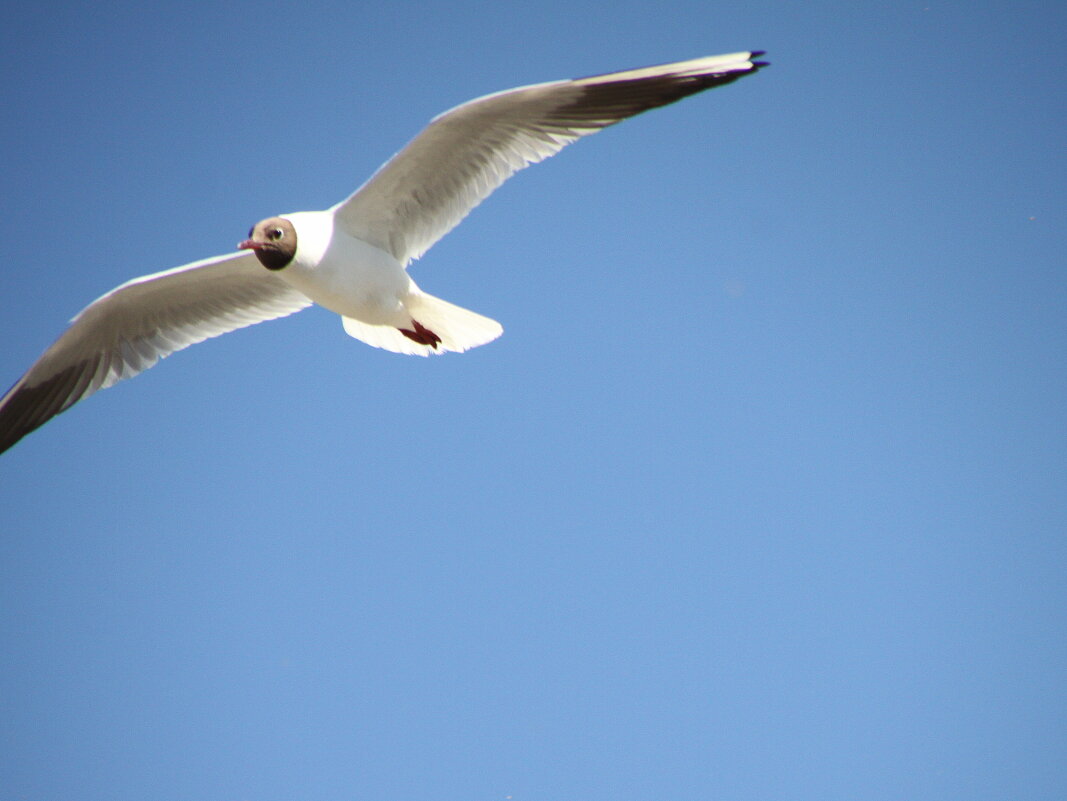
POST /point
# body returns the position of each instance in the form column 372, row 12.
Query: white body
column 346, row 275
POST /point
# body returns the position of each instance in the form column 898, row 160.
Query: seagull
column 352, row 258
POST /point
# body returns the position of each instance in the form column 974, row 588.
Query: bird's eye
column 277, row 233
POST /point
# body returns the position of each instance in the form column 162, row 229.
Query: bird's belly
column 357, row 280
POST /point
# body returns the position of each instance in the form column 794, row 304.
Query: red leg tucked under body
column 421, row 334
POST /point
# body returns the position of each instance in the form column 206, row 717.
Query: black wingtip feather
column 26, row 409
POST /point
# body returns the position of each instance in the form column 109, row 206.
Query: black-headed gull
column 352, row 258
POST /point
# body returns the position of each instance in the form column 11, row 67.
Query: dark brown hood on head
column 274, row 242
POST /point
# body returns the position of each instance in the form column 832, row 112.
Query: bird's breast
column 353, row 279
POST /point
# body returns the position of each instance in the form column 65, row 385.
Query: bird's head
column 274, row 242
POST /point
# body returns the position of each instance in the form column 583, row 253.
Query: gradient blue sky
column 760, row 496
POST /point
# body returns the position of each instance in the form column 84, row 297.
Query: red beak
column 249, row 244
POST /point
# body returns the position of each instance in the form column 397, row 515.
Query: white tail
column 457, row 329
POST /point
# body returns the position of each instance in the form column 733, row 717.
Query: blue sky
column 760, row 495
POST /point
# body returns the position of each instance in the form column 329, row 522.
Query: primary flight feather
column 352, row 258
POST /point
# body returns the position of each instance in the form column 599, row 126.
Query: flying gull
column 352, row 258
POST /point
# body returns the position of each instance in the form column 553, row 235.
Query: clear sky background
column 761, row 495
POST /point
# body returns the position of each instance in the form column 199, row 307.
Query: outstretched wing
column 464, row 154
column 132, row 327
